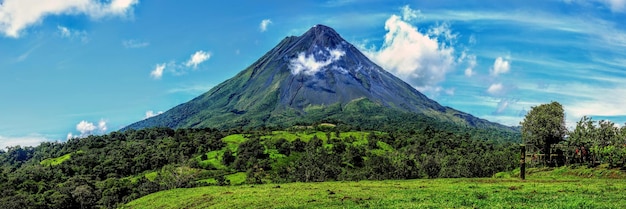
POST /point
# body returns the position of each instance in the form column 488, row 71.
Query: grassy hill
column 110, row 170
column 544, row 188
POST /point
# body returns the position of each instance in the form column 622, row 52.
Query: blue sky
column 85, row 67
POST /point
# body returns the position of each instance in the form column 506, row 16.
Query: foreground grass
column 421, row 193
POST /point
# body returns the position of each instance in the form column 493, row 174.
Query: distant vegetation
column 110, row 170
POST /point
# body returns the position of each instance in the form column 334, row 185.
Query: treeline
column 383, row 156
column 109, row 170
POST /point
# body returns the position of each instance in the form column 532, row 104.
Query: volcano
column 315, row 77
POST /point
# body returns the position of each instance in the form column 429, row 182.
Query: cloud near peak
column 417, row 58
column 309, row 65
column 17, row 15
column 151, row 113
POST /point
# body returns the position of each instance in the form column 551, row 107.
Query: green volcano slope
column 315, row 77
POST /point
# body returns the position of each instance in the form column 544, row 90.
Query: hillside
column 110, row 170
column 312, row 78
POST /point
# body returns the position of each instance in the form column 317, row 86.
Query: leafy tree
column 584, row 134
column 228, row 157
column 431, row 166
column 85, row 196
column 544, row 126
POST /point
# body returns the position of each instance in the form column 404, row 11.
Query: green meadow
column 544, row 188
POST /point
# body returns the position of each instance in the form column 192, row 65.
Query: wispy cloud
column 192, row 89
column 264, row 23
column 600, row 33
column 338, row 3
column 16, row 15
column 613, row 5
column 29, row 140
column 471, row 64
column 130, row 44
column 197, row 58
column 72, row 34
column 409, row 14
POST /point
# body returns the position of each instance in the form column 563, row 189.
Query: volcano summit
column 315, row 77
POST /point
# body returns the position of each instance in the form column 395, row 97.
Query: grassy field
column 544, row 188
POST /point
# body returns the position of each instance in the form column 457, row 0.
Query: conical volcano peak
column 322, row 35
column 305, row 78
column 322, row 30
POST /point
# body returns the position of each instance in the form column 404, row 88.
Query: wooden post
column 522, row 162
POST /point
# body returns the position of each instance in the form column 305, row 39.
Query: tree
column 584, row 134
column 544, row 126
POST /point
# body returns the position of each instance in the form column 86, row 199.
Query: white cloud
column 443, row 30
column 414, row 57
column 29, row 140
column 87, row 128
column 179, row 68
column 17, row 15
column 72, row 34
column 495, row 88
column 409, row 14
column 264, row 23
column 500, row 66
column 309, row 65
column 197, row 58
column 151, row 113
column 102, row 125
column 134, row 44
column 157, row 73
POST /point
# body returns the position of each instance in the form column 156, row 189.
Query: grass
column 235, row 179
column 58, row 160
column 536, row 192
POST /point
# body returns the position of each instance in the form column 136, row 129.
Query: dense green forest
column 109, row 170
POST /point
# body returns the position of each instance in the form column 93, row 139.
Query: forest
column 109, row 170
